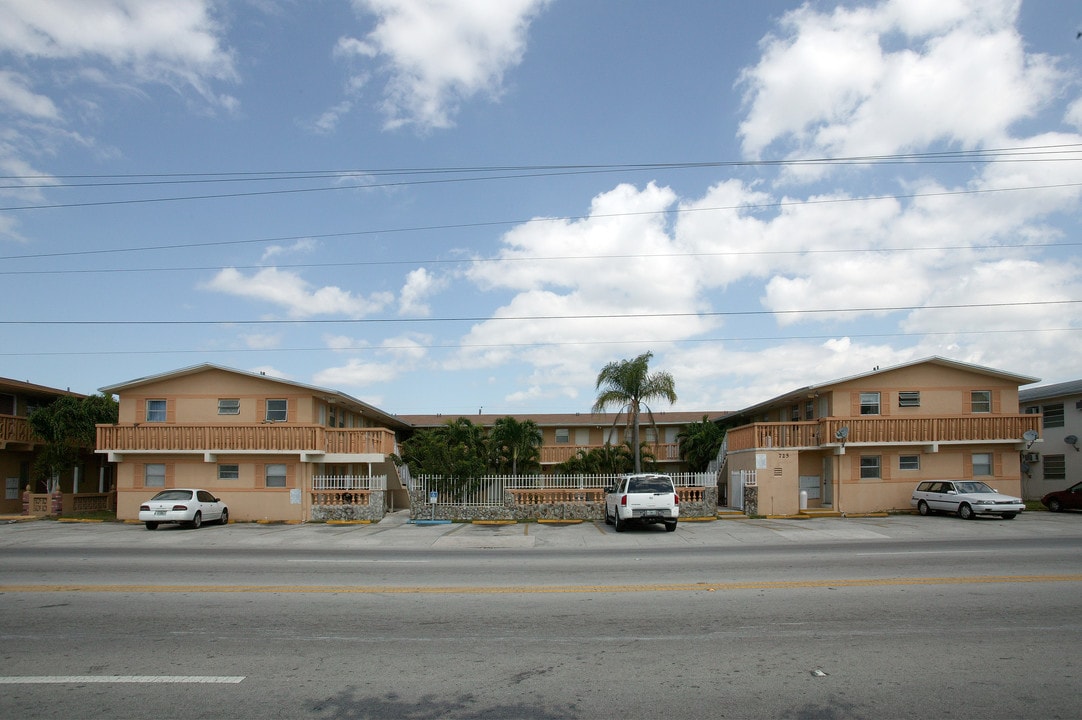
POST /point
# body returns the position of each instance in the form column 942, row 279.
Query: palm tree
column 699, row 443
column 515, row 442
column 629, row 385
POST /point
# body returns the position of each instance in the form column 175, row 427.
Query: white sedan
column 184, row 506
column 968, row 498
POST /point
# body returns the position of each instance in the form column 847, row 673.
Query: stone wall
column 373, row 511
column 421, row 509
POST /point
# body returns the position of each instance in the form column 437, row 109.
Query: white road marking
column 83, row 679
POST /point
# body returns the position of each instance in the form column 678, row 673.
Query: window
column 276, row 410
column 276, row 476
column 7, row 405
column 155, row 411
column 1055, row 467
column 11, row 489
column 563, row 436
column 981, row 401
column 982, row 464
column 809, row 410
column 795, row 414
column 870, row 467
column 229, row 472
column 869, row 403
column 909, row 462
column 154, row 475
column 1053, row 415
column 228, row 406
column 909, row 398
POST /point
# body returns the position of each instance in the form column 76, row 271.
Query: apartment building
column 1055, row 463
column 861, row 444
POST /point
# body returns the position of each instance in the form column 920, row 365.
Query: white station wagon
column 968, row 498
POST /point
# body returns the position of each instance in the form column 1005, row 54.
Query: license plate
column 159, row 512
column 650, row 513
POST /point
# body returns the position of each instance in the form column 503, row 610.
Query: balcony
column 884, row 431
column 261, row 438
column 16, row 431
column 555, row 454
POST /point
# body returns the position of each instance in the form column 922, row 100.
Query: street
column 902, row 616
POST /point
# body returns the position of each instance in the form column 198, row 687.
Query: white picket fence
column 349, row 482
column 489, row 490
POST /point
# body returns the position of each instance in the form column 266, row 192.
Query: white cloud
column 356, row 373
column 441, row 52
column 420, row 285
column 303, row 246
column 288, row 290
column 261, row 341
column 836, row 84
column 17, row 97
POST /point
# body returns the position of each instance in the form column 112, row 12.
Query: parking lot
column 395, row 531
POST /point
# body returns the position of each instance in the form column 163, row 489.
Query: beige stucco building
column 861, row 444
column 272, row 449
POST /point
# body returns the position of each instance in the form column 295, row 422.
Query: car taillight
column 623, row 500
column 181, row 508
column 144, row 507
column 676, row 499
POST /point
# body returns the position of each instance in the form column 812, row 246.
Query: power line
column 545, row 258
column 1015, row 154
column 536, row 318
column 579, row 343
column 568, row 218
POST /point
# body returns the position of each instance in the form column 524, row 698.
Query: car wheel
column 670, row 527
column 1008, row 516
column 965, row 512
column 1054, row 505
column 224, row 520
column 197, row 521
column 923, row 509
column 152, row 526
column 617, row 523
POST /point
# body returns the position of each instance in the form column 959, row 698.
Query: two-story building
column 272, row 449
column 861, row 444
column 564, row 435
column 1056, row 464
column 19, row 447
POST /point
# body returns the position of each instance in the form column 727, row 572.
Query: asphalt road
column 899, row 617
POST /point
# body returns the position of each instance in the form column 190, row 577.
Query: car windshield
column 173, row 495
column 653, row 484
column 973, row 487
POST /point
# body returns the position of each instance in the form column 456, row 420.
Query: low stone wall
column 694, row 502
column 373, row 511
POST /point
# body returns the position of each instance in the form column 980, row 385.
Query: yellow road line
column 531, row 589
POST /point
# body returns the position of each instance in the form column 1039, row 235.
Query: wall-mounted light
column 1072, row 440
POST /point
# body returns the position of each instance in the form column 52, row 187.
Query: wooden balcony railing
column 15, row 430
column 554, row 454
column 881, row 430
column 262, row 437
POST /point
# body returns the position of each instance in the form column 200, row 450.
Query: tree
column 515, row 445
column 699, row 444
column 629, row 385
column 67, row 425
column 456, row 452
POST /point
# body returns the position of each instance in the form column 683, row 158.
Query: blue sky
column 450, row 205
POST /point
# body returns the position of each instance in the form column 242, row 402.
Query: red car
column 1069, row 499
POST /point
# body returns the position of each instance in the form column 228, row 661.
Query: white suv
column 646, row 498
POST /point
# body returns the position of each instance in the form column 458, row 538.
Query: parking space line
column 142, row 679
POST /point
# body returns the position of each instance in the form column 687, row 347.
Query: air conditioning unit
column 1033, row 457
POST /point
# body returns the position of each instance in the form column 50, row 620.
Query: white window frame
column 229, row 471
column 160, row 410
column 563, row 436
column 225, row 406
column 909, row 462
column 276, row 414
column 154, row 475
column 982, row 464
column 878, row 467
column 866, row 402
column 975, row 403
column 271, row 471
